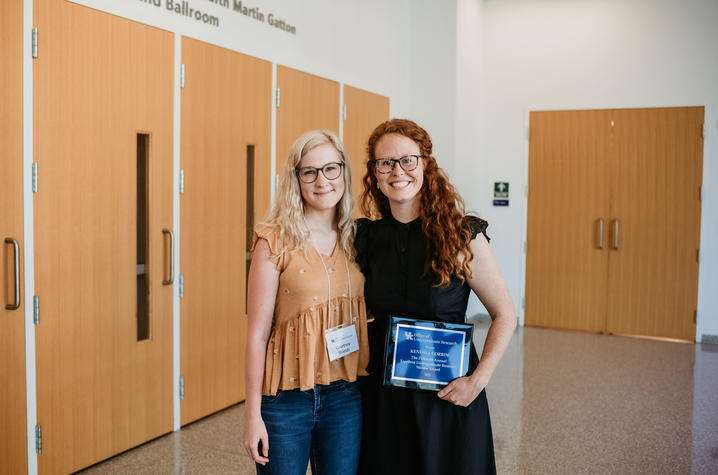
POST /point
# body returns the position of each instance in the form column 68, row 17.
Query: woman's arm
column 261, row 297
column 488, row 284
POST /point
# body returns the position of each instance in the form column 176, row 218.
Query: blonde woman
column 307, row 339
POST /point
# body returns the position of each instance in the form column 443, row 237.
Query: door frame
column 28, row 151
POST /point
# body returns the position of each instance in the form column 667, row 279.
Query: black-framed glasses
column 407, row 163
column 331, row 171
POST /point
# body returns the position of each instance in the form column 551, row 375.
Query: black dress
column 413, row 431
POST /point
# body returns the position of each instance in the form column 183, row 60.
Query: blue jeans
column 321, row 425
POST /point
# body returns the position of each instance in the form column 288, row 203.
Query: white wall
column 514, row 56
column 431, row 83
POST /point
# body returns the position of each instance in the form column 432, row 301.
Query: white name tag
column 341, row 341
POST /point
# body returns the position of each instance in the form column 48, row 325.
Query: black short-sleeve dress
column 413, row 431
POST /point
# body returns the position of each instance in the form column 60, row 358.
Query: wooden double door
column 614, row 220
column 225, row 150
column 104, row 239
column 225, row 161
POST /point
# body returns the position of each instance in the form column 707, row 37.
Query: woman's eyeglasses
column 331, row 171
column 386, row 165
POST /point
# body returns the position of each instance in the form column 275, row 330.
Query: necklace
column 329, row 281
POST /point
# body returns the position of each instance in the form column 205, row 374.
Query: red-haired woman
column 421, row 259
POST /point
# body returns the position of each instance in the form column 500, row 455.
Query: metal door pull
column 172, row 257
column 16, row 248
column 615, row 234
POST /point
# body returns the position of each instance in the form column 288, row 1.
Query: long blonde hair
column 287, row 213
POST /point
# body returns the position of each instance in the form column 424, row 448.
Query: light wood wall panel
column 569, row 193
column 657, row 172
column 307, row 102
column 226, row 106
column 364, row 111
column 13, row 452
column 99, row 81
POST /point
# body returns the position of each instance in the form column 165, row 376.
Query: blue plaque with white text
column 425, row 354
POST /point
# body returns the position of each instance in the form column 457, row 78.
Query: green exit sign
column 501, row 189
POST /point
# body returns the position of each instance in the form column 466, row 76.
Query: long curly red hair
column 442, row 210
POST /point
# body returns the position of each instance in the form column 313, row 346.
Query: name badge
column 341, row 341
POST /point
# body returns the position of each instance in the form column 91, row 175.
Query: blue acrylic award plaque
column 425, row 354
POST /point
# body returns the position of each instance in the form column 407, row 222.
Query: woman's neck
column 405, row 212
column 323, row 231
column 321, row 221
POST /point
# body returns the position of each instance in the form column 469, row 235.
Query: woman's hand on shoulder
column 254, row 433
column 462, row 391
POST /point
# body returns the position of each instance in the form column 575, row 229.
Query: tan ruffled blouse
column 296, row 351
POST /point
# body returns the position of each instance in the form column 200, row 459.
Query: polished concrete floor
column 561, row 403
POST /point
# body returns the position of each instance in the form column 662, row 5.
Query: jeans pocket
column 271, row 399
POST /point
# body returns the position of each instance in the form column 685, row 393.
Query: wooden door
column 646, row 188
column 13, row 448
column 225, row 157
column 655, row 209
column 568, row 202
column 307, row 102
column 103, row 132
column 364, row 111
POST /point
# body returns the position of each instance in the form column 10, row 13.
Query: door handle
column 615, row 234
column 172, row 257
column 600, row 233
column 16, row 248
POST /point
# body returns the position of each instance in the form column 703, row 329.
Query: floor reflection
column 570, row 402
column 561, row 403
column 705, row 410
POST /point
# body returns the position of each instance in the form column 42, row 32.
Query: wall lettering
column 187, row 9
